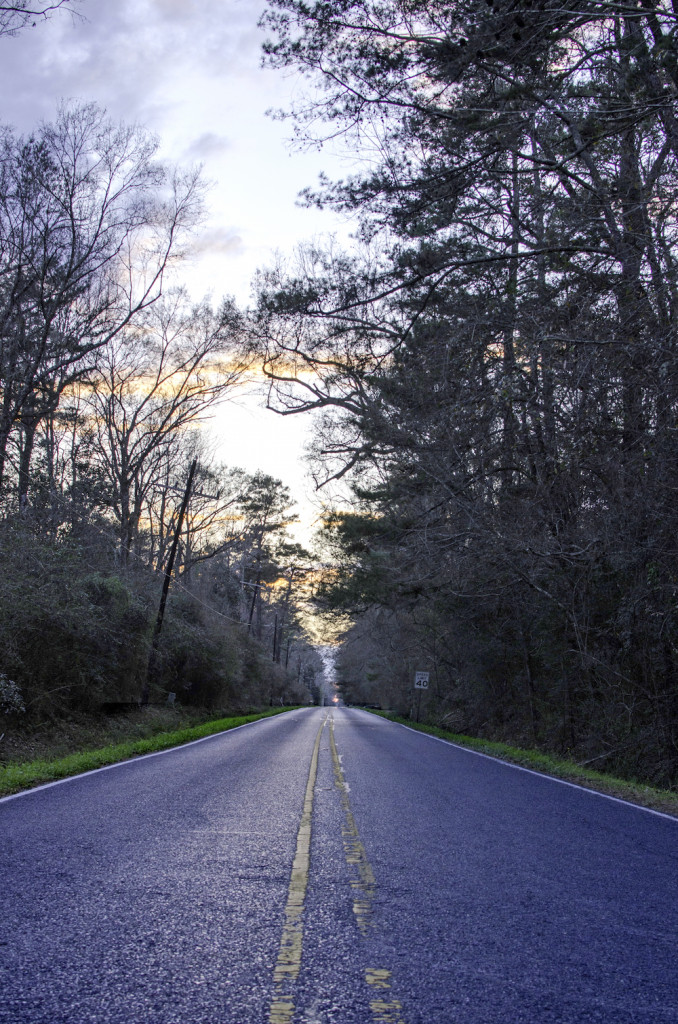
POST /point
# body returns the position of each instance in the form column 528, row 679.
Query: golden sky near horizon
column 189, row 70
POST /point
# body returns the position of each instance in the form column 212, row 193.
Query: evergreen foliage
column 495, row 365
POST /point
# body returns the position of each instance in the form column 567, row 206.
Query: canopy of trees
column 495, row 366
column 107, row 371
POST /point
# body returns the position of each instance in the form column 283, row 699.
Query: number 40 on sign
column 421, row 680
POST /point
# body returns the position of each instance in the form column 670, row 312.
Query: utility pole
column 153, row 656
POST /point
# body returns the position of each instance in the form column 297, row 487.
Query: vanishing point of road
column 328, row 867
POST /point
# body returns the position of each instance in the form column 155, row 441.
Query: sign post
column 420, row 683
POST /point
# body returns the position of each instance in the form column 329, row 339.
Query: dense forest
column 107, row 373
column 494, row 365
column 492, row 370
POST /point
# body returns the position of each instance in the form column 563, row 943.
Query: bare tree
column 89, row 225
column 19, row 15
column 152, row 382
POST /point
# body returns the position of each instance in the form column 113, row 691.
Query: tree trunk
column 29, row 422
column 153, row 657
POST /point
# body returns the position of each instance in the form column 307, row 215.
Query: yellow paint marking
column 281, row 1011
column 364, row 886
column 377, row 977
column 289, row 956
column 388, row 1013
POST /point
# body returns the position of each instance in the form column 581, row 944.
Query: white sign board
column 421, row 680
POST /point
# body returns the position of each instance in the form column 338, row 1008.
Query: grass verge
column 625, row 789
column 24, row 775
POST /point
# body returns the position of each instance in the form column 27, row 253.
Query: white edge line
column 531, row 771
column 140, row 757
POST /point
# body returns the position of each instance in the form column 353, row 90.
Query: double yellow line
column 289, row 955
column 364, row 886
column 288, row 962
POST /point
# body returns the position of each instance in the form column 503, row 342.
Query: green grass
column 25, row 775
column 625, row 789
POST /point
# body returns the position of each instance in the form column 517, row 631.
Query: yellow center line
column 289, row 955
column 364, row 888
column 382, row 1011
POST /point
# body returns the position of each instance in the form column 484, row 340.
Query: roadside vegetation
column 108, row 371
column 21, row 775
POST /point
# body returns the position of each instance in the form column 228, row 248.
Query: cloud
column 189, row 71
column 207, row 145
column 218, row 241
column 131, row 57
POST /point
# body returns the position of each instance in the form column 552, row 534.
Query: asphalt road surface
column 328, row 867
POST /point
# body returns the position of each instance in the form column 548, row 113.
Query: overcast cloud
column 131, row 55
column 189, row 70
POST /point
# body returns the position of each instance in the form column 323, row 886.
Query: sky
column 190, row 71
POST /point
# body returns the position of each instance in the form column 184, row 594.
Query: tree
column 18, row 15
column 495, row 366
column 294, row 569
column 210, row 519
column 266, row 510
column 89, row 226
column 152, row 382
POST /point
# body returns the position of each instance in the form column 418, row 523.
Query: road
column 328, row 867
